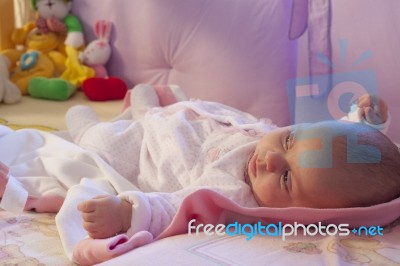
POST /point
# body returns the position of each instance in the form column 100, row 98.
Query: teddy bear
column 55, row 16
column 35, row 55
column 43, row 50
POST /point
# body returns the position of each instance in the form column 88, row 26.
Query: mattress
column 49, row 115
column 32, row 239
column 260, row 250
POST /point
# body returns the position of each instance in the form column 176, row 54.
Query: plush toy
column 96, row 55
column 43, row 50
column 44, row 57
column 9, row 92
column 35, row 55
column 54, row 17
column 98, row 52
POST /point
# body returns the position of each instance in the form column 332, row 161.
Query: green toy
column 53, row 89
column 56, row 17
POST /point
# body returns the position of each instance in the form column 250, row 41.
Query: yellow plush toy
column 45, row 49
column 36, row 55
column 55, row 16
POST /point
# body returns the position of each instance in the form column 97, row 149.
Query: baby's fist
column 105, row 216
column 373, row 109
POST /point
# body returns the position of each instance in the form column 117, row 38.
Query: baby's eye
column 288, row 139
column 285, row 180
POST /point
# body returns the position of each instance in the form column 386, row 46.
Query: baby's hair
column 372, row 182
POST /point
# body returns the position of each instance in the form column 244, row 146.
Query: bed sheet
column 299, row 250
column 49, row 115
column 32, row 239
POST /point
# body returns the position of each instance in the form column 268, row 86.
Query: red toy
column 96, row 55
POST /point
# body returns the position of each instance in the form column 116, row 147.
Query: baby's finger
column 91, row 229
column 101, row 196
column 364, row 101
column 87, row 206
column 95, row 231
column 88, row 216
column 361, row 112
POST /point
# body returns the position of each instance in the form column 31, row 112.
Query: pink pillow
column 236, row 52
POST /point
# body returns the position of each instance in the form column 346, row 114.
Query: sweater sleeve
column 153, row 212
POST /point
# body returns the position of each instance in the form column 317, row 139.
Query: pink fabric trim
column 92, row 251
column 209, row 207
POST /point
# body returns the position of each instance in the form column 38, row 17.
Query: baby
column 324, row 165
column 175, row 150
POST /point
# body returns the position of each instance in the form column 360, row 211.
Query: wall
column 366, row 25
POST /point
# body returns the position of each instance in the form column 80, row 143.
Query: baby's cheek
column 262, row 194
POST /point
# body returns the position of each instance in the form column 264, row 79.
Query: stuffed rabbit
column 98, row 52
column 96, row 55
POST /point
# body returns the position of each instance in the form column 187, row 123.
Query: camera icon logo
column 328, row 97
column 331, row 97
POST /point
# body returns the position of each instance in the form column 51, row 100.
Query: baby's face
column 293, row 166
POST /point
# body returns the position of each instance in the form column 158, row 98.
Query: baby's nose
column 274, row 161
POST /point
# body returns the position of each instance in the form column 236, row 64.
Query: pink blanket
column 209, row 207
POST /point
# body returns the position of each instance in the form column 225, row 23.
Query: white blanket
column 47, row 166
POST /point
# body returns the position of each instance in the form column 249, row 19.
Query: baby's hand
column 105, row 216
column 372, row 109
